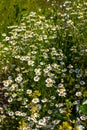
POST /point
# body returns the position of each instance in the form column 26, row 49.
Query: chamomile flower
column 18, row 79
column 36, row 78
column 63, row 94
column 82, row 82
column 49, row 80
column 35, row 100
column 46, row 71
column 79, row 127
column 29, row 91
column 44, row 100
column 10, row 99
column 6, row 83
column 42, row 122
column 37, row 71
column 10, row 113
column 13, row 87
column 60, row 85
column 83, row 117
column 78, row 94
column 49, row 85
column 18, row 113
column 31, row 63
column 55, row 122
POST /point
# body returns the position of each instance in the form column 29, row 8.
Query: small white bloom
column 60, row 85
column 31, row 63
column 14, row 95
column 53, row 97
column 50, row 111
column 79, row 127
column 83, row 117
column 6, row 83
column 4, row 34
column 46, row 71
column 49, row 80
column 23, row 114
column 18, row 113
column 78, row 94
column 61, row 90
column 44, row 100
column 7, row 38
column 63, row 94
column 10, row 113
column 6, row 94
column 29, row 91
column 35, row 100
column 36, row 78
column 13, row 87
column 18, row 79
column 37, row 71
column 42, row 122
column 55, row 122
column 49, row 85
column 10, row 100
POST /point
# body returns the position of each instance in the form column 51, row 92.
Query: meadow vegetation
column 43, row 70
column 12, row 11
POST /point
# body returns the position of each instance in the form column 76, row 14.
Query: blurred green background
column 11, row 11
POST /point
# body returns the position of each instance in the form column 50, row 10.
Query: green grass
column 44, row 70
column 11, row 12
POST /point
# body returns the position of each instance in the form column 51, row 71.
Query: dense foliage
column 44, row 70
column 12, row 11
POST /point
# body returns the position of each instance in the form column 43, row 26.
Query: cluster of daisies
column 43, row 70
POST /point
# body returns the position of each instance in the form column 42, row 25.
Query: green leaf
column 60, row 116
column 83, row 108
